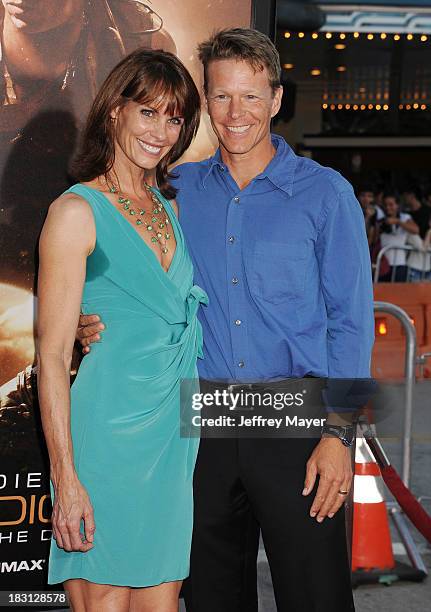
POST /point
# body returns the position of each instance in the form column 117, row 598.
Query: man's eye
column 147, row 112
column 251, row 97
column 221, row 97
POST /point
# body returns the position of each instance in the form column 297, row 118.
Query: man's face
column 366, row 198
column 40, row 15
column 241, row 104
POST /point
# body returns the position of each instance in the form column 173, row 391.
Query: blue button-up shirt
column 286, row 266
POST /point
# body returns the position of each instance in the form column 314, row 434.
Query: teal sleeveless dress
column 125, row 408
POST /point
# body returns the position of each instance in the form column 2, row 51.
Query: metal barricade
column 410, row 379
column 406, row 248
column 410, row 362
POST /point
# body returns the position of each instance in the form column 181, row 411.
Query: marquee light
column 287, row 35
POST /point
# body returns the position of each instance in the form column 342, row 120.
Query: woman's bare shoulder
column 70, row 217
column 72, row 206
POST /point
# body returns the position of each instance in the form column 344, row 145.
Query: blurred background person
column 365, row 195
column 419, row 260
column 394, row 229
column 419, row 213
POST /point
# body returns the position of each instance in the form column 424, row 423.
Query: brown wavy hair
column 145, row 76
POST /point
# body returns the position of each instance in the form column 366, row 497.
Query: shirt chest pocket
column 278, row 271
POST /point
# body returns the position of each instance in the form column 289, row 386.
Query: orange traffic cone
column 371, row 546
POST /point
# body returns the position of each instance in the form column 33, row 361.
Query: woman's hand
column 71, row 504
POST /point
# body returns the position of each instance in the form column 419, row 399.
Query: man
column 372, row 213
column 420, row 214
column 278, row 243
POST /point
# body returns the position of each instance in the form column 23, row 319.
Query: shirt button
column 221, row 168
column 235, row 280
column 231, row 239
column 238, row 322
column 236, row 199
column 241, row 364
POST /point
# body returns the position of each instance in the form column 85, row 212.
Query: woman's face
column 391, row 207
column 145, row 133
column 41, row 15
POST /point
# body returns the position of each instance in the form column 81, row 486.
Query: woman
column 394, row 229
column 112, row 244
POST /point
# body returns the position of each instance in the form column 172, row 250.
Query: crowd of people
column 401, row 222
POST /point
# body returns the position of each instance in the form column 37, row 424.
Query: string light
column 424, row 38
column 328, row 35
column 287, row 35
column 378, row 107
column 288, row 66
column 363, row 107
column 355, row 34
column 423, row 106
column 315, row 35
column 301, row 34
column 383, row 35
column 324, row 106
column 340, row 106
column 385, row 107
column 315, row 72
column 397, row 37
column 342, row 36
column 416, row 106
column 409, row 36
column 370, row 107
column 401, row 106
column 339, row 46
column 355, row 107
column 408, row 107
column 332, row 107
column 370, row 36
column 347, row 107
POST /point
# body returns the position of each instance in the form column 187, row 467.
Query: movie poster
column 53, row 57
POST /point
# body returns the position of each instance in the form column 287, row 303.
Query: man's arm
column 345, row 274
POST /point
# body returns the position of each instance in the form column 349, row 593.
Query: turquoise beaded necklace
column 158, row 225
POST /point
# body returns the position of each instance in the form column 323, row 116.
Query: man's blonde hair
column 242, row 44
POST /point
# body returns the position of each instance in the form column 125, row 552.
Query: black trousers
column 239, row 486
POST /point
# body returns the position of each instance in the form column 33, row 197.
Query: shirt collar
column 280, row 170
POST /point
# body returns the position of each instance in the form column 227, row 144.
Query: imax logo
column 21, row 566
